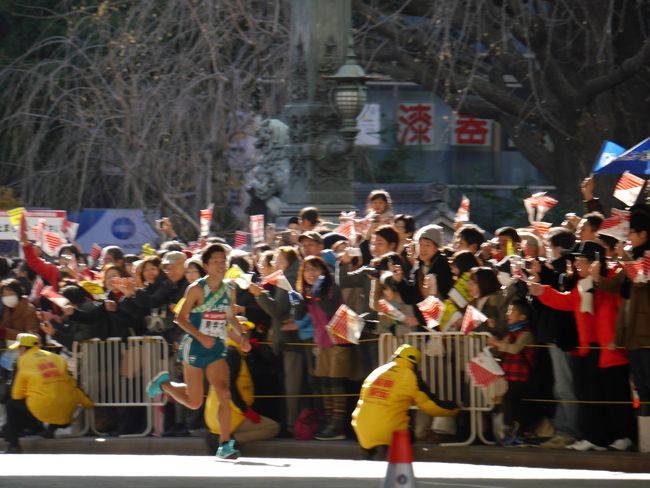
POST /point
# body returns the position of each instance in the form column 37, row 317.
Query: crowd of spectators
column 564, row 292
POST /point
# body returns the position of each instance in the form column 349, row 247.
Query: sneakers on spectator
column 227, row 450
column 330, row 433
column 621, row 445
column 155, row 385
column 585, row 445
column 558, row 441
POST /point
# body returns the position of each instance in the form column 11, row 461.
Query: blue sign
column 123, row 228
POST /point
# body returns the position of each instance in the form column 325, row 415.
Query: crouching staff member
column 246, row 424
column 42, row 390
column 386, row 396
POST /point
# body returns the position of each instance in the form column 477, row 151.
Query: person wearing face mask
column 18, row 315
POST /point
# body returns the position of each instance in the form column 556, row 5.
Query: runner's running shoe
column 155, row 385
column 227, row 450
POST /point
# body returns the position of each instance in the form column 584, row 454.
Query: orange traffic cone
column 400, row 459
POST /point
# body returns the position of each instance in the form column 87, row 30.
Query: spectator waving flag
column 95, row 252
column 49, row 293
column 537, row 205
column 473, row 318
column 431, row 309
column 240, row 239
column 541, row 228
column 391, row 311
column 345, row 326
column 462, row 215
column 237, row 276
column 346, row 228
column 205, row 219
column 628, row 188
column 617, row 225
column 638, row 271
column 278, row 279
column 54, row 241
column 70, row 229
column 483, row 369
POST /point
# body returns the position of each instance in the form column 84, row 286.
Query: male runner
column 204, row 316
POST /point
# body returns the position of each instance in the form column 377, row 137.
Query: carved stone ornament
column 328, row 66
column 298, row 87
column 271, row 172
column 331, row 158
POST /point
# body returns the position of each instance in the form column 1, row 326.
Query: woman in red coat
column 600, row 370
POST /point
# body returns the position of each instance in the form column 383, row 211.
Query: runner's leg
column 190, row 393
column 218, row 377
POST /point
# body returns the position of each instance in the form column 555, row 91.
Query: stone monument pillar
column 321, row 159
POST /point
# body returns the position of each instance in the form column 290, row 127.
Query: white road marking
column 207, row 466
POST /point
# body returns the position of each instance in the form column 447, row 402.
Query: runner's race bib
column 214, row 324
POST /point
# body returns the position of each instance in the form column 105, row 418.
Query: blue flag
column 608, row 153
column 635, row 160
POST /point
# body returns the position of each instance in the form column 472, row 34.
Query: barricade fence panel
column 115, row 373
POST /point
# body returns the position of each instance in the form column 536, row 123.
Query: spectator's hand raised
column 431, row 284
column 48, row 328
column 594, row 270
column 255, row 290
column 587, row 188
column 398, row 273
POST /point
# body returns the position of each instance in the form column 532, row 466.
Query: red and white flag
column 256, row 226
column 390, row 310
column 617, row 225
column 484, row 369
column 473, row 318
column 70, row 229
column 537, row 205
column 194, row 246
column 462, row 215
column 95, row 252
column 628, row 188
column 205, row 219
column 431, row 309
column 277, row 278
column 347, row 229
column 54, row 241
column 36, row 232
column 49, row 293
column 345, row 326
column 541, row 228
column 638, row 271
column 240, row 239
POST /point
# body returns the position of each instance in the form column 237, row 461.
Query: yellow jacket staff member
column 246, row 424
column 386, row 395
column 42, row 390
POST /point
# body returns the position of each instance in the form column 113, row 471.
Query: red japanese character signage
column 415, row 123
column 468, row 130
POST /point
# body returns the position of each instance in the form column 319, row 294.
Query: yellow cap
column 25, row 340
column 408, row 352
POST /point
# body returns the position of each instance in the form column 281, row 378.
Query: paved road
column 100, row 471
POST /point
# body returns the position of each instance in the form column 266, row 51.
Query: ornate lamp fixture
column 349, row 94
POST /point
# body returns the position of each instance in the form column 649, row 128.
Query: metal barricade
column 115, row 373
column 443, row 364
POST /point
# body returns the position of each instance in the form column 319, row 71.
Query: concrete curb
column 630, row 462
